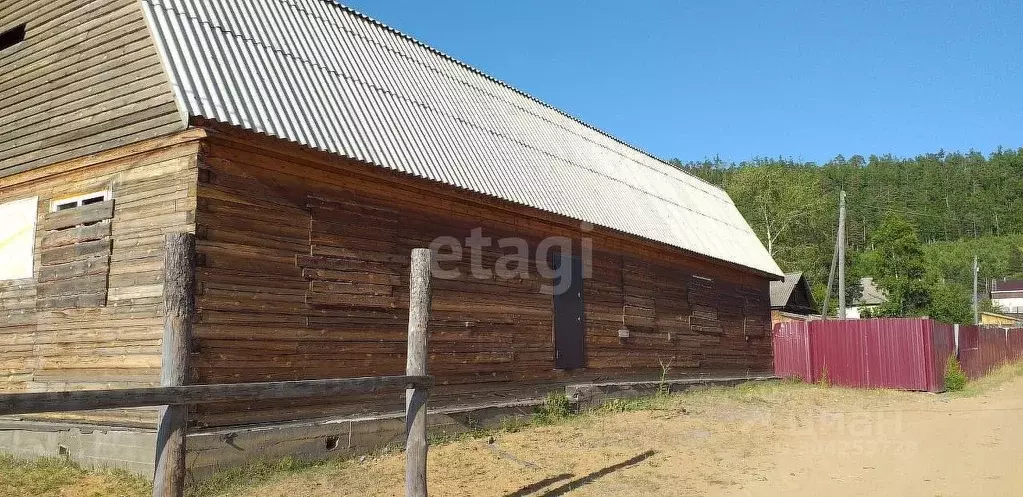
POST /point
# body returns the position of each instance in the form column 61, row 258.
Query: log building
column 310, row 148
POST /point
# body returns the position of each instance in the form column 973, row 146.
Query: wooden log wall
column 304, row 274
column 91, row 317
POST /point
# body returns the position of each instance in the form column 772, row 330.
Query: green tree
column 961, row 204
column 900, row 268
column 950, row 304
column 777, row 200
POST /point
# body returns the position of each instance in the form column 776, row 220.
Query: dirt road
column 764, row 440
column 931, row 446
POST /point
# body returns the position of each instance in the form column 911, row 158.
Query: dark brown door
column 569, row 320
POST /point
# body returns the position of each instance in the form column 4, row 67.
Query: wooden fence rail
column 83, row 400
column 176, row 395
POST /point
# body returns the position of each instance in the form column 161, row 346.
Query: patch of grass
column 513, row 424
column 625, row 405
column 955, row 377
column 658, row 401
column 58, row 477
column 476, row 429
column 824, row 381
column 994, row 379
column 616, row 405
column 663, row 388
column 234, row 481
column 555, row 407
column 39, row 477
column 792, row 379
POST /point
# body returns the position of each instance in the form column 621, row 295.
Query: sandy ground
column 762, row 440
column 932, row 446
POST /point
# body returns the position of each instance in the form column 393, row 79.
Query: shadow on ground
column 578, row 482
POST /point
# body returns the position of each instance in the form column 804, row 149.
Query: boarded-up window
column 352, row 261
column 756, row 321
column 74, row 258
column 703, row 305
column 17, row 228
column 638, row 281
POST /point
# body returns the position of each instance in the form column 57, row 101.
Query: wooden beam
column 62, row 167
column 83, row 400
column 415, row 399
column 179, row 312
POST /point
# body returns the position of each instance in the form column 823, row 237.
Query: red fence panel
column 982, row 349
column 969, row 351
column 993, row 349
column 837, row 350
column 902, row 353
column 879, row 353
column 1014, row 341
column 942, row 345
column 792, row 351
column 897, row 353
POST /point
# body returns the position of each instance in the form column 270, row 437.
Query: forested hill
column 958, row 204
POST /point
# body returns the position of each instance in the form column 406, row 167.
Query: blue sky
column 806, row 80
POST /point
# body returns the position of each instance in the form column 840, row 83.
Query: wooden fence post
column 179, row 309
column 415, row 398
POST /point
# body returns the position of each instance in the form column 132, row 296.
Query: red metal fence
column 792, row 350
column 982, row 349
column 943, row 345
column 901, row 353
column 1015, row 342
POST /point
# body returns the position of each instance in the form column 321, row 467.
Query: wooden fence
column 176, row 395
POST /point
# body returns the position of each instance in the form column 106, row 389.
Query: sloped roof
column 782, row 290
column 1007, row 286
column 322, row 75
column 871, row 295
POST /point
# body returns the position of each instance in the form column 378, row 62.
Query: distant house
column 791, row 299
column 996, row 319
column 870, row 299
column 1008, row 295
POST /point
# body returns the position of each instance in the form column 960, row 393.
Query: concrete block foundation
column 134, row 449
column 131, row 449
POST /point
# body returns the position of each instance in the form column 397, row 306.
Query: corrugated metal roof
column 325, row 76
column 781, row 291
column 870, row 294
column 1007, row 286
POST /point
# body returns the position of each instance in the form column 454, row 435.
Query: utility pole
column 831, row 280
column 976, row 308
column 841, row 254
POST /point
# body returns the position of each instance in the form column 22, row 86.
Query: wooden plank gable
column 87, row 78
